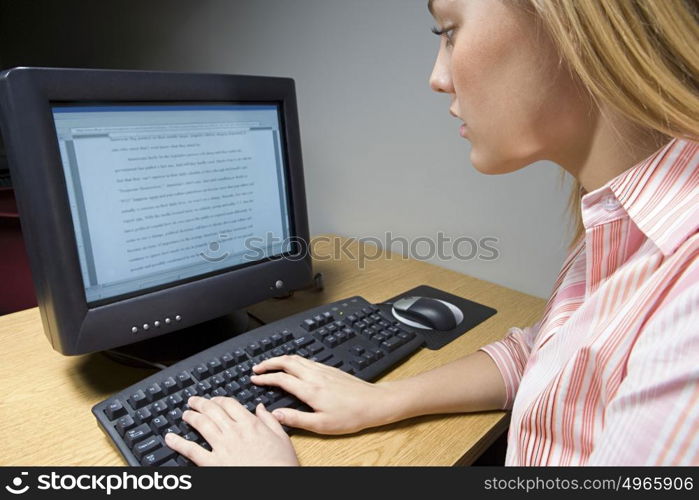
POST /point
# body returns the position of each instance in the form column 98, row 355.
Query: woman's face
column 517, row 102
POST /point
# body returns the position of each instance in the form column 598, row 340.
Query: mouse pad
column 474, row 314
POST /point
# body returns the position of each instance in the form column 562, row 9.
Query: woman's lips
column 462, row 130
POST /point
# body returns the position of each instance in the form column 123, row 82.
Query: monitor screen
column 163, row 194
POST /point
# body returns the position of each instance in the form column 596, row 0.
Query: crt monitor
column 150, row 201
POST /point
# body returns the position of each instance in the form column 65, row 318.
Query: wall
column 380, row 151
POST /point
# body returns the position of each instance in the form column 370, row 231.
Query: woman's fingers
column 309, row 421
column 294, row 365
column 233, row 408
column 189, row 449
column 284, row 381
column 204, row 423
column 270, row 421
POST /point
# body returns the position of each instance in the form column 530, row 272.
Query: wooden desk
column 45, row 398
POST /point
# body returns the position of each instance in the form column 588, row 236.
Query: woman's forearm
column 468, row 384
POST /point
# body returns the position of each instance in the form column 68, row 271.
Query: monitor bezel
column 289, row 195
column 73, row 326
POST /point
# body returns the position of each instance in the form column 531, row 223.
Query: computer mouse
column 427, row 313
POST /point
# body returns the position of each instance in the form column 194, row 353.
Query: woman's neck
column 615, row 145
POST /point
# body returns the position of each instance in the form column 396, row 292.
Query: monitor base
column 168, row 349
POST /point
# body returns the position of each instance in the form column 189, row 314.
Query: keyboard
column 352, row 335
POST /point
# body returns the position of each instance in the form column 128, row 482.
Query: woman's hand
column 341, row 402
column 236, row 436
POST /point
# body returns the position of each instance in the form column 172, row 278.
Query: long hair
column 639, row 57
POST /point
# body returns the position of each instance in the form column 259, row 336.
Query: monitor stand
column 172, row 347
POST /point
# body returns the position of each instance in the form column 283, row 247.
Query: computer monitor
column 152, row 201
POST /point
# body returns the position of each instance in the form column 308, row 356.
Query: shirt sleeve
column 510, row 356
column 653, row 418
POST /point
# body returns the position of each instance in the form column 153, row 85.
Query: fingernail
column 278, row 414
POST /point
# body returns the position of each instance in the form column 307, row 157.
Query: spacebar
column 288, row 402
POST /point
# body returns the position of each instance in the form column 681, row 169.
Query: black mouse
column 427, row 313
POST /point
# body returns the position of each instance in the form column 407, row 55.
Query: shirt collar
column 660, row 194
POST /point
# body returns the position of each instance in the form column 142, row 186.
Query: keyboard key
column 203, row 387
column 260, row 399
column 146, row 446
column 232, row 388
column 159, row 423
column 217, row 381
column 115, row 410
column 137, row 434
column 331, row 341
column 273, row 395
column 219, row 391
column 328, row 317
column 124, row 424
column 182, row 461
column 174, row 400
column 201, row 372
column 240, row 355
column 184, row 379
column 391, row 344
column 214, row 366
column 244, row 396
column 154, row 393
column 229, row 374
column 266, row 344
column 244, row 381
column 227, row 360
column 169, row 385
column 143, row 415
column 159, row 407
column 277, row 339
column 174, row 416
column 359, row 363
column 158, row 456
column 189, row 392
column 357, row 350
column 406, row 335
column 138, row 400
column 309, row 325
column 287, row 335
column 192, row 436
column 254, row 349
column 322, row 357
column 278, row 352
column 315, row 348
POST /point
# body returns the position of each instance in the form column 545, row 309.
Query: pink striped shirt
column 610, row 374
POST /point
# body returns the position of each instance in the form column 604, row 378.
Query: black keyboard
column 352, row 335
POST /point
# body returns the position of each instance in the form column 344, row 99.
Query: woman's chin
column 493, row 164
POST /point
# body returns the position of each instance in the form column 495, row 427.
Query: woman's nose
column 440, row 79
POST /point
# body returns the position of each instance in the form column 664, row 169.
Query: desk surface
column 45, row 398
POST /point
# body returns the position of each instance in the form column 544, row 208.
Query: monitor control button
column 145, row 326
column 134, row 329
column 156, row 324
column 178, row 317
column 168, row 321
column 279, row 284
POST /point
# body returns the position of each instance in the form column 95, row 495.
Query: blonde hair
column 639, row 57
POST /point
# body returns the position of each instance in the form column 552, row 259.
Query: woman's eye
column 447, row 33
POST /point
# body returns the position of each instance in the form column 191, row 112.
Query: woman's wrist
column 394, row 402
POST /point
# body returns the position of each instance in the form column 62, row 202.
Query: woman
column 609, row 90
